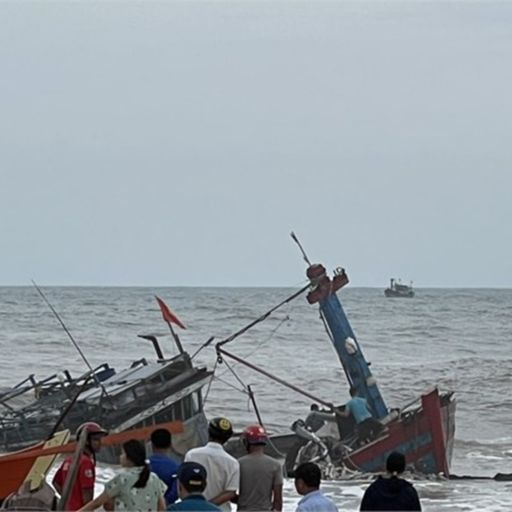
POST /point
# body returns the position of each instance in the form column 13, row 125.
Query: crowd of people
column 211, row 479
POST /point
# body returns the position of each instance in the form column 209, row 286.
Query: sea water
column 458, row 339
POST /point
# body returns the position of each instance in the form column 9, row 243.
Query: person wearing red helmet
column 83, row 488
column 261, row 476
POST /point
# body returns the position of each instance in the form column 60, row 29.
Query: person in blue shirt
column 307, row 483
column 367, row 426
column 191, row 484
column 162, row 464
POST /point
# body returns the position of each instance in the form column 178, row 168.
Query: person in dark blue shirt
column 191, row 484
column 162, row 464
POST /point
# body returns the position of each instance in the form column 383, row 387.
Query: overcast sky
column 178, row 143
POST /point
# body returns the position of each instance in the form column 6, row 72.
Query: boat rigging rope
column 261, row 343
column 210, row 383
column 264, row 316
column 324, row 321
column 245, row 390
column 230, row 385
column 228, row 366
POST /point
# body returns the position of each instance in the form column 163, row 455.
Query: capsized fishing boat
column 397, row 289
column 148, row 392
column 423, row 429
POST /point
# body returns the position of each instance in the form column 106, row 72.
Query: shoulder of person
column 271, row 461
column 409, row 486
column 193, row 451
column 230, row 457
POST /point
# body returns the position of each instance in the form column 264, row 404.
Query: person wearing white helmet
column 222, row 469
column 83, row 488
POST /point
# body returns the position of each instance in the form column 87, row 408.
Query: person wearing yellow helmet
column 222, row 469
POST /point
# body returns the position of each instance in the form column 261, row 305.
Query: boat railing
column 48, row 389
column 17, row 390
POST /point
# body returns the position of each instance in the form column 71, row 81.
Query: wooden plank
column 73, row 470
column 41, row 465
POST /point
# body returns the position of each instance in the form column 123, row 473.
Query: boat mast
column 342, row 336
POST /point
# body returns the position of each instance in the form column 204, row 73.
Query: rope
column 264, row 316
column 210, row 383
column 262, row 343
column 215, row 377
column 228, row 366
column 225, row 382
column 245, row 390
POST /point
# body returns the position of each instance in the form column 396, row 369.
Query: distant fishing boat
column 397, row 289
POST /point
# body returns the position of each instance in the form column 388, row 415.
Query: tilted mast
column 345, row 343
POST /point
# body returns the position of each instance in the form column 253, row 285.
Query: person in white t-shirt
column 222, row 469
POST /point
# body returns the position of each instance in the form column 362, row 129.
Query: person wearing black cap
column 192, row 479
column 389, row 492
column 222, row 469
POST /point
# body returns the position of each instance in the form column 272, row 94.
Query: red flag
column 167, row 314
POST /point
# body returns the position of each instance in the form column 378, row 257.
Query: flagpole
column 176, row 339
column 169, row 319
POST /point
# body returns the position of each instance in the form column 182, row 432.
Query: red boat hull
column 425, row 435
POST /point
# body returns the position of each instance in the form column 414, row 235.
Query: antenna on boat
column 304, row 255
column 82, row 355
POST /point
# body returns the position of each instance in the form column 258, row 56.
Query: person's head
column 307, row 478
column 134, row 455
column 220, row 430
column 395, row 463
column 94, row 433
column 353, row 391
column 254, row 436
column 191, row 479
column 161, row 439
column 314, row 407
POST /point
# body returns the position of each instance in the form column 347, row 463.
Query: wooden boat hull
column 14, row 471
column 15, row 466
column 424, row 435
column 278, row 447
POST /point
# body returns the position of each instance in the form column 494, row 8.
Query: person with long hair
column 135, row 487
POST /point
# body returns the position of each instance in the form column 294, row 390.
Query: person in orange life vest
column 83, row 488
